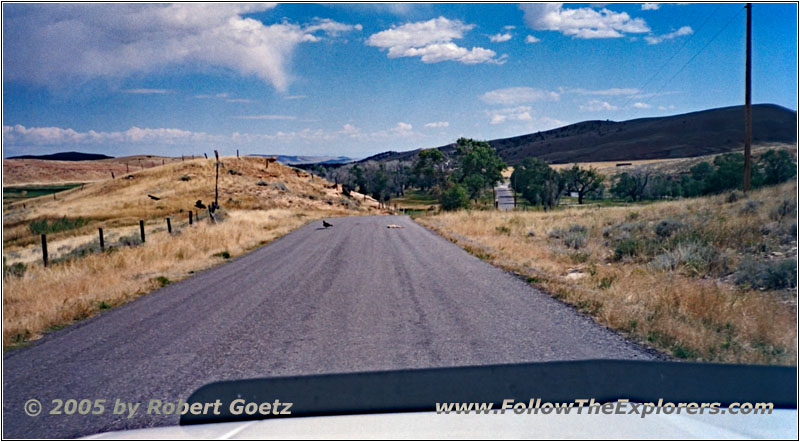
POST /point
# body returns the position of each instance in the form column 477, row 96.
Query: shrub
column 162, row 281
column 770, row 275
column 234, row 172
column 58, row 225
column 628, row 247
column 223, row 254
column 575, row 240
column 454, row 198
column 16, row 269
column 736, row 195
column 577, row 228
column 280, row 186
column 750, row 207
column 782, row 209
column 262, row 183
column 503, row 229
column 185, row 178
column 666, row 227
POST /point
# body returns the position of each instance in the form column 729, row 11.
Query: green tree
column 582, row 181
column 428, row 171
column 479, row 165
column 778, row 166
column 454, row 197
column 630, row 185
column 537, row 182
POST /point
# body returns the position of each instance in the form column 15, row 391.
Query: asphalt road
column 504, row 197
column 357, row 296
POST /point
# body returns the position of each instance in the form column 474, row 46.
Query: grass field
column 710, row 279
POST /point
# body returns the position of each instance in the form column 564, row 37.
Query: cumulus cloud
column 640, row 105
column 53, row 43
column 532, row 39
column 518, row 95
column 499, row 38
column 650, row 6
column 432, row 41
column 437, row 124
column 581, row 22
column 597, row 106
column 656, row 39
column 519, row 113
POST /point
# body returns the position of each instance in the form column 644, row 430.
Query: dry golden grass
column 123, row 201
column 30, row 172
column 44, row 298
column 689, row 316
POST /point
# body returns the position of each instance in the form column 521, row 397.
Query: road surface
column 504, row 197
column 357, row 296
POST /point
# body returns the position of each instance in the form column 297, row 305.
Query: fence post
column 102, row 243
column 44, row 249
column 169, row 226
column 141, row 229
column 190, row 217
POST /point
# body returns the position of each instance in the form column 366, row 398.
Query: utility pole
column 748, row 111
column 216, row 182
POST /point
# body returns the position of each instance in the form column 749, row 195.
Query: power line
column 675, row 54
column 695, row 55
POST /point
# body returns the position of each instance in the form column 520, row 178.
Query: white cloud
column 640, row 105
column 147, row 91
column 437, row 124
column 581, row 22
column 19, row 135
column 650, row 6
column 294, row 97
column 265, row 117
column 597, row 106
column 532, row 39
column 670, row 107
column 498, row 38
column 331, row 27
column 519, row 113
column 656, row 39
column 518, row 95
column 432, row 41
column 58, row 43
column 509, row 27
column 607, row 92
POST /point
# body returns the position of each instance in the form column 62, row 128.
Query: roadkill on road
column 394, row 226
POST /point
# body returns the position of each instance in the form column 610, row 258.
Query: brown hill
column 678, row 136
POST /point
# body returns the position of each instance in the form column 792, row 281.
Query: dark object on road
column 199, row 204
column 153, row 197
column 326, row 224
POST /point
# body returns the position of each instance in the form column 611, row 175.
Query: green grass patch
column 46, row 225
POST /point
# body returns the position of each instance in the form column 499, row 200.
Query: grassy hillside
column 711, row 279
column 259, row 204
column 686, row 135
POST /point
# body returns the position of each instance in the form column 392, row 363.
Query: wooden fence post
column 169, row 226
column 102, row 243
column 190, row 217
column 141, row 229
column 44, row 249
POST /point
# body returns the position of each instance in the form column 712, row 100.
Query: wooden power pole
column 748, row 110
column 216, row 182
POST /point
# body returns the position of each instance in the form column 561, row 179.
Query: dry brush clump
column 43, row 298
column 706, row 278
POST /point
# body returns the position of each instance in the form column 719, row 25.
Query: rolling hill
column 678, row 136
column 64, row 156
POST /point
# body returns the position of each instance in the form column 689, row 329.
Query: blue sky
column 348, row 79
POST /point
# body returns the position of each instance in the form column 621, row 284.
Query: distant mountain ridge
column 677, row 136
column 64, row 156
column 310, row 159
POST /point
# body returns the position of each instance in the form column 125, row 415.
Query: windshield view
column 399, row 220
